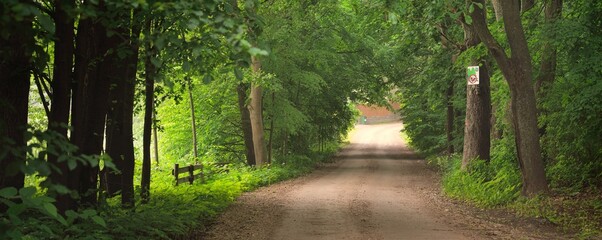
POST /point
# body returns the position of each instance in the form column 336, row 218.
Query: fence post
column 175, row 172
column 191, row 173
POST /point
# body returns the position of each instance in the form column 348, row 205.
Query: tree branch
column 480, row 26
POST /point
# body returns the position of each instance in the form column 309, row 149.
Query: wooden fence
column 190, row 170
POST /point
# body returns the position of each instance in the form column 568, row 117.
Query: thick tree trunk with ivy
column 245, row 120
column 16, row 50
column 256, row 116
column 518, row 73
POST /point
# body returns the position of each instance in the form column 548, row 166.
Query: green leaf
column 207, row 78
column 61, row 189
column 50, row 209
column 71, row 163
column 156, row 61
column 468, row 19
column 98, row 220
column 46, row 23
column 27, row 192
column 471, row 8
column 8, row 192
column 238, row 73
column 186, row 66
column 257, row 52
column 88, row 212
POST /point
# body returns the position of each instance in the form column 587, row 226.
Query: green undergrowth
column 484, row 184
column 175, row 211
column 576, row 213
column 576, row 210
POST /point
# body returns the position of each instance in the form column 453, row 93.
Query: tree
column 245, row 119
column 62, row 79
column 256, row 116
column 477, row 129
column 517, row 70
column 124, row 59
column 16, row 50
column 150, row 72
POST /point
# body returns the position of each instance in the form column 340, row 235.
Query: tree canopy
column 259, row 91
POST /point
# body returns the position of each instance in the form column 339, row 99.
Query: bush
column 486, row 184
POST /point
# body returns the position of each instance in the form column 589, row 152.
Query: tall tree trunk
column 497, row 9
column 547, row 70
column 193, row 121
column 449, row 119
column 518, row 72
column 89, row 105
column 194, row 139
column 150, row 72
column 245, row 120
column 255, row 113
column 449, row 92
column 526, row 5
column 16, row 51
column 270, row 140
column 120, row 140
column 477, row 130
column 155, row 139
column 64, row 49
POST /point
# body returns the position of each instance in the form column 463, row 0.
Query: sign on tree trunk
column 472, row 75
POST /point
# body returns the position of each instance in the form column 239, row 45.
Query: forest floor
column 376, row 188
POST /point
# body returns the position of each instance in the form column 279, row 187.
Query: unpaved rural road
column 377, row 189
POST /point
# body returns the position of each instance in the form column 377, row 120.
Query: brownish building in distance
column 376, row 114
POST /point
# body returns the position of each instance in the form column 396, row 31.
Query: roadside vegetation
column 564, row 41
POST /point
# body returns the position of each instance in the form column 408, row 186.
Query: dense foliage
column 569, row 107
column 190, row 60
column 188, row 69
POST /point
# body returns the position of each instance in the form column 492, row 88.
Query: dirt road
column 378, row 189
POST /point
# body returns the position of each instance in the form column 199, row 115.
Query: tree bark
column 526, row 5
column 150, row 73
column 245, row 120
column 517, row 71
column 255, row 113
column 120, row 140
column 193, row 121
column 155, row 139
column 15, row 70
column 497, row 8
column 477, row 130
column 477, row 139
column 89, row 106
column 270, row 140
column 61, row 80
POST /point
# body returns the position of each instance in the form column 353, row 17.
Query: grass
column 173, row 212
column 497, row 184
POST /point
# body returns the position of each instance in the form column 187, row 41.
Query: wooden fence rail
column 191, row 176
